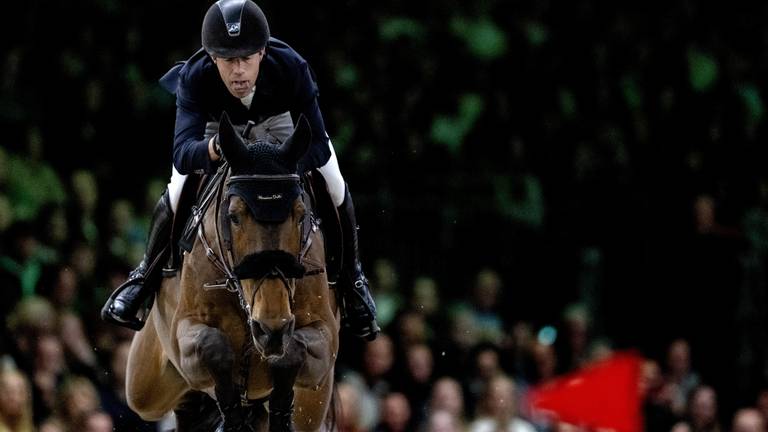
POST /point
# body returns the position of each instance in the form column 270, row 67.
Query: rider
column 251, row 76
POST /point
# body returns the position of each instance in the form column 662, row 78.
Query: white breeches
column 278, row 128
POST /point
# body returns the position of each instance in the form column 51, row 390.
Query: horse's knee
column 205, row 354
column 214, row 350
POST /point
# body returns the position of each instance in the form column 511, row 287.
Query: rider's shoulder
column 283, row 55
column 196, row 66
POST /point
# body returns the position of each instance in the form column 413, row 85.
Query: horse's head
column 263, row 214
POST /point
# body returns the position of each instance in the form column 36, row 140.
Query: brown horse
column 250, row 318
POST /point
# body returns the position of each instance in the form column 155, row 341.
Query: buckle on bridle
column 220, row 284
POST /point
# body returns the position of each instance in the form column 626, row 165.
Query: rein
column 223, row 258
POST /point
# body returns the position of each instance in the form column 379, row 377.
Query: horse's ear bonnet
column 271, row 194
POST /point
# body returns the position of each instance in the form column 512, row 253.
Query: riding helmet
column 234, row 28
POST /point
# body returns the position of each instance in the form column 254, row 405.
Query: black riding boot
column 358, row 312
column 124, row 304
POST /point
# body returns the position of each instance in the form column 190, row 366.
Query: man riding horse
column 258, row 78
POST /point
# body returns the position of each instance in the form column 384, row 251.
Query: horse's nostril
column 272, row 337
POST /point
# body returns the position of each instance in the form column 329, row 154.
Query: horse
column 250, row 318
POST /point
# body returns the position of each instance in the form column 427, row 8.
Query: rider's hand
column 214, row 151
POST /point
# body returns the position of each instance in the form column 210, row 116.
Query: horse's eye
column 234, row 218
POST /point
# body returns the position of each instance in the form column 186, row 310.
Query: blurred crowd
column 444, row 363
column 562, row 179
column 463, row 364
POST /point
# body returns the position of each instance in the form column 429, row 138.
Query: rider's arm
column 191, row 150
column 305, row 102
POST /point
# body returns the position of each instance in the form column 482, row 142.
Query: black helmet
column 234, row 28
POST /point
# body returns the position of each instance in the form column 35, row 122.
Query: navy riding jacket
column 285, row 83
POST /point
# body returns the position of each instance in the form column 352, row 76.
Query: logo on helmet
column 233, row 29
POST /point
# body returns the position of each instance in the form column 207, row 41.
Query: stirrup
column 362, row 325
column 135, row 323
column 367, row 332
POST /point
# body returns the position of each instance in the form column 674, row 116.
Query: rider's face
column 239, row 73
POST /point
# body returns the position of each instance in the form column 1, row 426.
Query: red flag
column 604, row 395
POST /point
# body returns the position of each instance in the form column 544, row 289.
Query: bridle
column 223, row 257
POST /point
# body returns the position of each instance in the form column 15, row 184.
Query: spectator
column 599, row 349
column 412, row 329
column 485, row 303
column 657, row 398
column 761, row 402
column 485, row 366
column 350, row 419
column 575, row 353
column 387, row 296
column 51, row 426
column 395, row 414
column 20, row 267
column 517, row 350
column 32, row 182
column 30, row 319
column 63, row 290
column 442, row 421
column 76, row 398
column 15, row 401
column 378, row 359
column 748, row 420
column 680, row 377
column 374, row 380
column 463, row 333
column 47, row 374
column 53, row 232
column 126, row 236
column 82, row 260
column 425, row 297
column 447, row 397
column 701, row 411
column 97, row 421
column 544, row 361
column 82, row 213
column 418, row 382
column 498, row 410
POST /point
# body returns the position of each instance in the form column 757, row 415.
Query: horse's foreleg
column 306, row 364
column 207, row 360
column 153, row 385
column 321, row 347
column 284, row 371
column 314, row 382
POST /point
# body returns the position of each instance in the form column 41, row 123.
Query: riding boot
column 358, row 312
column 125, row 302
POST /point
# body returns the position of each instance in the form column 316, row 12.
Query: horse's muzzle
column 272, row 338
